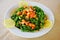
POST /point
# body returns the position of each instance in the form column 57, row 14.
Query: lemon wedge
column 23, row 3
column 47, row 24
column 9, row 23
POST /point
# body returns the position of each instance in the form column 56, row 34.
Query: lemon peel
column 9, row 23
column 47, row 24
column 23, row 3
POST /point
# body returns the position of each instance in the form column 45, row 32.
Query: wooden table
column 54, row 34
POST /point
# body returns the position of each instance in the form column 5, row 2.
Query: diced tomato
column 32, row 25
column 28, row 24
column 32, row 14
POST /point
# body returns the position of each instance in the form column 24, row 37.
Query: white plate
column 17, row 32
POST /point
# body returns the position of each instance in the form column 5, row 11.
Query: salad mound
column 29, row 18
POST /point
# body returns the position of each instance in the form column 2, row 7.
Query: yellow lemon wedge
column 47, row 24
column 9, row 23
column 23, row 3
